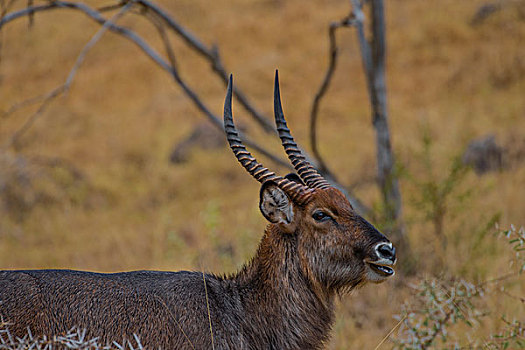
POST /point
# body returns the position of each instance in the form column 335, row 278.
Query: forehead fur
column 331, row 198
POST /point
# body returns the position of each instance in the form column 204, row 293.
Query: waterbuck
column 315, row 247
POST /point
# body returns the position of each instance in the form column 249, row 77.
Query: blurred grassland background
column 128, row 207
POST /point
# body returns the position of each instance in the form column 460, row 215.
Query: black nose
column 386, row 251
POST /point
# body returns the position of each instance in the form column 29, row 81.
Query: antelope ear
column 275, row 204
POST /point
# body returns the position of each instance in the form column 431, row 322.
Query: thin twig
column 175, row 319
column 19, row 105
column 320, row 163
column 499, row 279
column 64, row 87
column 6, row 7
column 13, row 140
column 437, row 330
column 165, row 40
column 31, row 16
column 332, row 63
column 459, row 305
column 110, row 7
column 512, row 296
column 208, row 308
column 390, row 333
column 213, row 57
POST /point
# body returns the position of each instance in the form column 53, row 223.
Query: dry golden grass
column 118, row 123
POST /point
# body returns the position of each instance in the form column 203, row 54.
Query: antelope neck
column 275, row 281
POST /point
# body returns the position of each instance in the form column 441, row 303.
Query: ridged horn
column 297, row 192
column 306, row 171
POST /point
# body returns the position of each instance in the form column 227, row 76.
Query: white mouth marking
column 380, row 268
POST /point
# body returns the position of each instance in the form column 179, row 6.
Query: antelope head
column 337, row 248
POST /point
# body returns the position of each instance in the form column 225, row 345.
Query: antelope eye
column 319, row 215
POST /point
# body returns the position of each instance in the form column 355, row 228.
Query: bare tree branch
column 373, row 58
column 165, row 40
column 212, row 55
column 137, row 40
column 64, row 87
column 111, row 7
column 13, row 140
column 321, row 164
column 19, row 105
column 171, row 57
column 333, row 51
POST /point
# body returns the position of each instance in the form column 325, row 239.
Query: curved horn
column 296, row 191
column 305, row 170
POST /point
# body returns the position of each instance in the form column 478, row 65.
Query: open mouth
column 382, row 270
